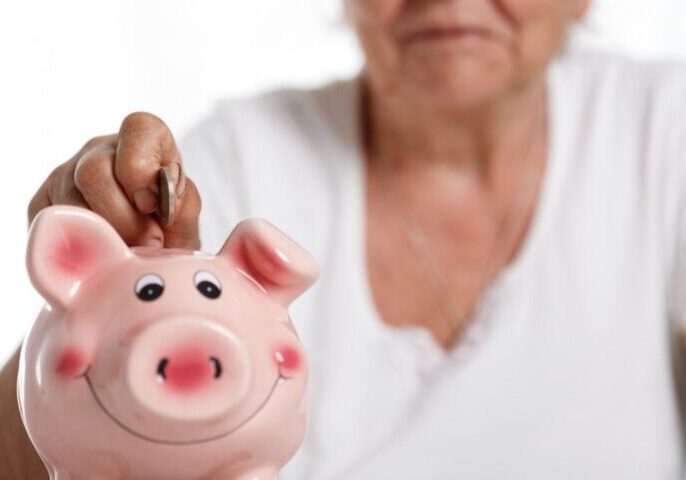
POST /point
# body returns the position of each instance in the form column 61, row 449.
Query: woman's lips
column 448, row 33
column 441, row 33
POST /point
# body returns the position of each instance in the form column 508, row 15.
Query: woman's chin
column 457, row 93
column 457, row 83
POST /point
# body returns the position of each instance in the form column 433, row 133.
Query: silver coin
column 167, row 197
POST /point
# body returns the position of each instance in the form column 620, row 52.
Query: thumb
column 184, row 232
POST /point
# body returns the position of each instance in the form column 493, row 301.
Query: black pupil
column 209, row 289
column 151, row 291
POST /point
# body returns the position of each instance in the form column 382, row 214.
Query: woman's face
column 459, row 51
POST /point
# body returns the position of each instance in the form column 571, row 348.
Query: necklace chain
column 417, row 238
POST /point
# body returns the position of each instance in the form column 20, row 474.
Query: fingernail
column 182, row 183
column 145, row 200
column 179, row 178
column 152, row 242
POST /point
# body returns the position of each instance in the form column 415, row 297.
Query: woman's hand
column 116, row 176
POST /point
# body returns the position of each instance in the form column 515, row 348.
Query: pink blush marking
column 72, row 256
column 262, row 264
column 71, row 363
column 287, row 358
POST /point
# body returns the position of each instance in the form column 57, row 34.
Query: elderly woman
column 498, row 222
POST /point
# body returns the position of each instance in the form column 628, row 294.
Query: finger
column 145, row 145
column 42, row 200
column 55, row 191
column 184, row 232
column 96, row 142
column 94, row 179
column 39, row 201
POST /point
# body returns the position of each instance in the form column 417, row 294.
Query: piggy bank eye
column 149, row 287
column 207, row 284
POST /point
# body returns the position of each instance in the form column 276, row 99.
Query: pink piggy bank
column 163, row 364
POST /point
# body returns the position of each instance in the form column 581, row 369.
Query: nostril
column 162, row 369
column 217, row 366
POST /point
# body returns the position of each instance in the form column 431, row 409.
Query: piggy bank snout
column 187, row 369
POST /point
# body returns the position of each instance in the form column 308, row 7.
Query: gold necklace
column 422, row 251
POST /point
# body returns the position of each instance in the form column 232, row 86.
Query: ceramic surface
column 163, row 364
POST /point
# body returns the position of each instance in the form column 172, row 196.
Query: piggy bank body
column 163, row 364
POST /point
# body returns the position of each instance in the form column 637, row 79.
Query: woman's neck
column 481, row 142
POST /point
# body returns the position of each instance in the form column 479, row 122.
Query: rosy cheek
column 288, row 360
column 375, row 12
column 71, row 363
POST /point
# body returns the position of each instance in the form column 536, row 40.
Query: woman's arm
column 18, row 459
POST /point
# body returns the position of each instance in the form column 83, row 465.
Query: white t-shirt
column 569, row 369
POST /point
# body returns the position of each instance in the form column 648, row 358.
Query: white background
column 70, row 70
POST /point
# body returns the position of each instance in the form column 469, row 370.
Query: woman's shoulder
column 289, row 97
column 626, row 118
column 275, row 154
column 626, row 104
column 291, row 110
column 621, row 77
column 287, row 119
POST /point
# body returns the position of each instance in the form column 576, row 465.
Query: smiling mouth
column 440, row 33
column 181, row 442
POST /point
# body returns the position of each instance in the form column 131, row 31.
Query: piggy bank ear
column 67, row 245
column 281, row 266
